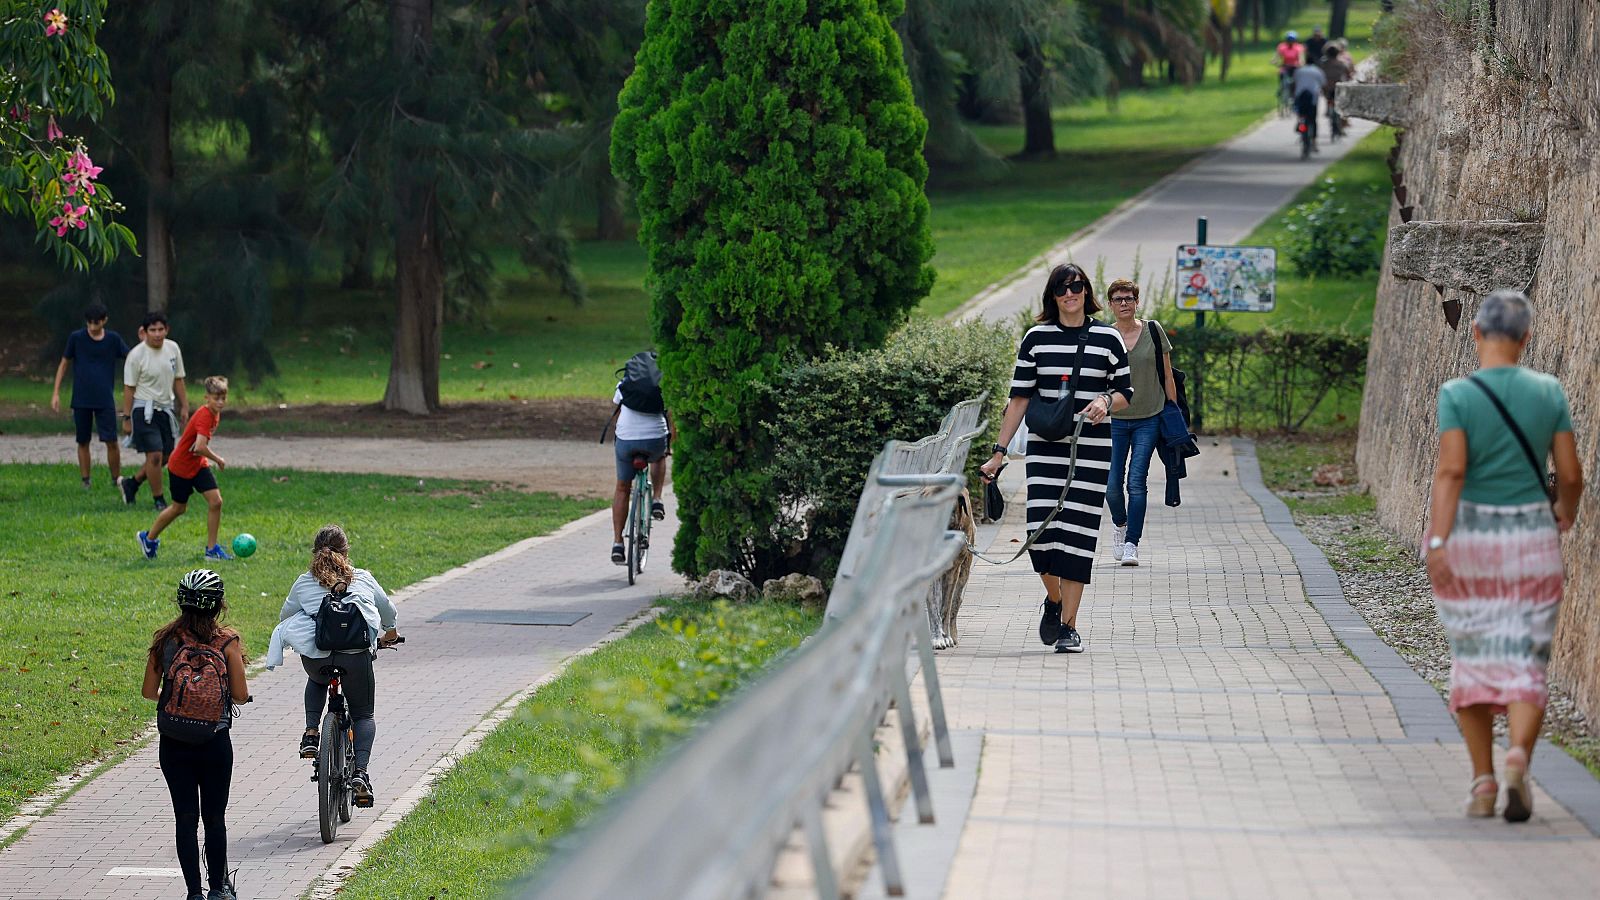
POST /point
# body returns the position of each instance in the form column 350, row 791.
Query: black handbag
column 1051, row 419
column 1547, row 480
column 1173, row 433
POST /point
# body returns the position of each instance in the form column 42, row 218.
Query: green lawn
column 569, row 746
column 1362, row 177
column 80, row 603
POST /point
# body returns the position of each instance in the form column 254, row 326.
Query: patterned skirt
column 1500, row 614
column 1066, row 549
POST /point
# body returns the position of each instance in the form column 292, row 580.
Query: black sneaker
column 222, row 893
column 308, row 745
column 86, row 485
column 130, row 490
column 1049, row 622
column 658, row 510
column 1070, row 641
column 161, row 503
column 618, row 555
column 361, row 788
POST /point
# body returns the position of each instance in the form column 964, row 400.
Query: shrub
column 832, row 414
column 1339, row 232
column 775, row 152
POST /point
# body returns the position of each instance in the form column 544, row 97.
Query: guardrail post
column 930, row 681
column 821, row 864
column 878, row 810
column 908, row 735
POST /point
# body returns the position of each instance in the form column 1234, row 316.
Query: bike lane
column 113, row 838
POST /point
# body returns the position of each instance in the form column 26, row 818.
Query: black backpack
column 641, row 384
column 340, row 624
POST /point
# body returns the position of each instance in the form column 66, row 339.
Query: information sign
column 1227, row 279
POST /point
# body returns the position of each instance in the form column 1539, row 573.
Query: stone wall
column 1501, row 126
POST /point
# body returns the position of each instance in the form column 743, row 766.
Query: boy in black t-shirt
column 96, row 355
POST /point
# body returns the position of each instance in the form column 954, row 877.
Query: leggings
column 197, row 777
column 360, row 697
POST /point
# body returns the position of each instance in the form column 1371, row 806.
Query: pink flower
column 81, row 172
column 55, row 22
column 71, row 217
column 20, row 114
column 52, row 132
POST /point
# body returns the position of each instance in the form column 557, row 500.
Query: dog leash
column 1072, row 470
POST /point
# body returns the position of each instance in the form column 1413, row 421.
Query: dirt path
column 574, row 468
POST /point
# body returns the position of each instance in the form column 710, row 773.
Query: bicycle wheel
column 642, row 516
column 347, row 795
column 633, row 537
column 330, row 777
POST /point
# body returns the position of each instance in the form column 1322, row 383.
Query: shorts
column 104, row 421
column 655, row 448
column 182, row 487
column 358, row 684
column 154, row 436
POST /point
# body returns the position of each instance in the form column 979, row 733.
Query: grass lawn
column 541, row 345
column 569, row 746
column 80, row 603
column 1307, row 301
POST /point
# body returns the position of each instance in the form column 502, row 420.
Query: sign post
column 1213, row 278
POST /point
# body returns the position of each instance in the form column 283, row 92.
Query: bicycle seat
column 331, row 670
column 641, row 460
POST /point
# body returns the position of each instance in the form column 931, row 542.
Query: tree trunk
column 1038, row 129
column 1255, row 21
column 608, row 225
column 158, row 249
column 1336, row 23
column 419, row 260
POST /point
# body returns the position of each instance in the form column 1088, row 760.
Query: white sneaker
column 1129, row 554
column 1118, row 533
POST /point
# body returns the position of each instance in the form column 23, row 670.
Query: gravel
column 1388, row 585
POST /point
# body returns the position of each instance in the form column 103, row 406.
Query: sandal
column 1519, row 797
column 1480, row 802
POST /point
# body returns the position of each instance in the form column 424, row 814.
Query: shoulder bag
column 1547, row 481
column 1174, row 421
column 1050, row 419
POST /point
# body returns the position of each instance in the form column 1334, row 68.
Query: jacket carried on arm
column 297, row 621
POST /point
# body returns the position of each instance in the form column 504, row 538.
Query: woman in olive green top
column 1494, row 544
column 1134, row 429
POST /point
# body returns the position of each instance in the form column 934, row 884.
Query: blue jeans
column 1135, row 437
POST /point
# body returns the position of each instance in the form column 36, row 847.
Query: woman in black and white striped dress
column 1064, row 553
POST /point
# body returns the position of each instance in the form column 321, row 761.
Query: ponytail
column 330, row 558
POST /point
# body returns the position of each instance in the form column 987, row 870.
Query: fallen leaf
column 481, row 364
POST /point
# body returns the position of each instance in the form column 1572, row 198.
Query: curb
column 1422, row 712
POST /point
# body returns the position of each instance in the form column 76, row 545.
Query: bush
column 832, row 415
column 1340, row 232
column 775, row 153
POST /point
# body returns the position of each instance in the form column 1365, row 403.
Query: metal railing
column 710, row 822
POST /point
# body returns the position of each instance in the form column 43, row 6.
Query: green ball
column 244, row 545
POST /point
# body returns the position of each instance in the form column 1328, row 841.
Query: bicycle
column 1285, row 94
column 638, row 533
column 335, row 762
column 1335, row 122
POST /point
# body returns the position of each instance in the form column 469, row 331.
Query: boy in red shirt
column 189, row 471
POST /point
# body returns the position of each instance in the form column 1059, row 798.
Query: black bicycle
column 335, row 762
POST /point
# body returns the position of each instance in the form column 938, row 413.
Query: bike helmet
column 200, row 590
column 1292, row 36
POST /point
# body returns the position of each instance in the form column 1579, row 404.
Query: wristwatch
column 1435, row 542
column 1001, row 449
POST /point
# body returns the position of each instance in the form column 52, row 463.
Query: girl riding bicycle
column 332, row 573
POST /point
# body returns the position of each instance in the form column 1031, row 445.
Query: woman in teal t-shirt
column 1494, row 544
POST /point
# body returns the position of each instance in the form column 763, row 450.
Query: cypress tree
column 775, row 153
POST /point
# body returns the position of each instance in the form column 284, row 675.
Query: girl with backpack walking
column 195, row 673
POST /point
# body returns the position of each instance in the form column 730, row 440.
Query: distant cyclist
column 1335, row 69
column 1289, row 56
column 643, row 427
column 331, row 572
column 1308, row 83
column 1314, row 47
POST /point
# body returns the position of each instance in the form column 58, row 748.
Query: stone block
column 1477, row 257
column 723, row 584
column 795, row 588
column 1383, row 103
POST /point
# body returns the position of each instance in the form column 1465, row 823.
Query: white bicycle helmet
column 200, row 590
column 1292, row 36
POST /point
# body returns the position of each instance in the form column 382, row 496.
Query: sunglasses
column 1072, row 287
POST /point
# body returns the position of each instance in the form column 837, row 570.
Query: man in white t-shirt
column 154, row 401
column 639, row 433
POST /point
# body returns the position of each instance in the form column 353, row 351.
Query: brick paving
column 1215, row 740
column 431, row 692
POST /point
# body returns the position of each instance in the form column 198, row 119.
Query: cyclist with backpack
column 337, row 615
column 195, row 673
column 643, row 426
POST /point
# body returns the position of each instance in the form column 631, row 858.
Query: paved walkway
column 113, row 839
column 1217, row 739
column 1236, row 186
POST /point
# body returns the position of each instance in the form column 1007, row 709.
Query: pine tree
column 775, row 153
